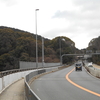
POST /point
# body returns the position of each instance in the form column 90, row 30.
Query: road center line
column 79, row 85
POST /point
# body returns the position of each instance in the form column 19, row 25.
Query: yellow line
column 79, row 85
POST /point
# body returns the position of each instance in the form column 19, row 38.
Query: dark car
column 78, row 66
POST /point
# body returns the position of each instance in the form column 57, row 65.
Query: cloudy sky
column 78, row 20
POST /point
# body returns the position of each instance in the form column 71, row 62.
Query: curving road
column 62, row 85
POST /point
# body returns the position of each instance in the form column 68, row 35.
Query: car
column 78, row 66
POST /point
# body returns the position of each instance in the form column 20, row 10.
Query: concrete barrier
column 1, row 84
column 93, row 71
column 8, row 79
column 11, row 76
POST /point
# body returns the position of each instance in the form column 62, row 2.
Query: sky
column 78, row 20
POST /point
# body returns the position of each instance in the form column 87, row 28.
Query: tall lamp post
column 42, row 52
column 36, row 37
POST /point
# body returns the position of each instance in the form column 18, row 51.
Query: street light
column 36, row 38
column 43, row 52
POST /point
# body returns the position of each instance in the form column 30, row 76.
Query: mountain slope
column 18, row 45
column 94, row 45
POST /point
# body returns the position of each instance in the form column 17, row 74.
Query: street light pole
column 36, row 37
column 43, row 52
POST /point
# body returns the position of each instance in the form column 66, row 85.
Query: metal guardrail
column 4, row 73
column 29, row 94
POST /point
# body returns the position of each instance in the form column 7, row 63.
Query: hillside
column 94, row 45
column 17, row 45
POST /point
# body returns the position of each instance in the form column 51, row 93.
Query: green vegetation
column 94, row 45
column 17, row 45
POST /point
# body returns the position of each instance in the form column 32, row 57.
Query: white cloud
column 8, row 2
column 85, row 22
column 76, row 19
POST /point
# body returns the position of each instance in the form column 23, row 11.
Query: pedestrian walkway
column 14, row 92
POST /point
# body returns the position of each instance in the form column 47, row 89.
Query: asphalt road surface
column 62, row 85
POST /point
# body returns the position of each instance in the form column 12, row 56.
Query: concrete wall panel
column 93, row 71
column 0, row 83
column 11, row 78
column 24, row 64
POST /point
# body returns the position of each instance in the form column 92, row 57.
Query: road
column 62, row 85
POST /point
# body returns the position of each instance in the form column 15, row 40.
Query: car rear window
column 78, row 64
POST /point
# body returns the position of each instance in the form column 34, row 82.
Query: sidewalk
column 14, row 92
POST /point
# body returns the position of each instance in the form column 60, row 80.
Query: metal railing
column 29, row 94
column 4, row 73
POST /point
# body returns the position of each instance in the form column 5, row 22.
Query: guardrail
column 5, row 73
column 93, row 71
column 10, row 76
column 8, row 72
column 29, row 94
